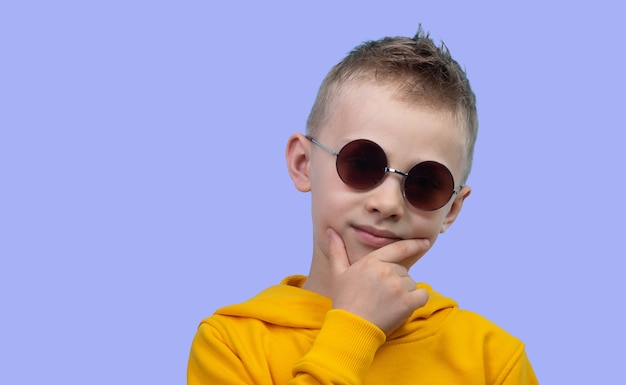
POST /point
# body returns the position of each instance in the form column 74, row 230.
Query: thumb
column 337, row 254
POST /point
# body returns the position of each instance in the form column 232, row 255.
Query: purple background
column 143, row 182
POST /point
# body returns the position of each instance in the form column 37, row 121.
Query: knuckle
column 396, row 286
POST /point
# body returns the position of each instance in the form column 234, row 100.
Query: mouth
column 375, row 237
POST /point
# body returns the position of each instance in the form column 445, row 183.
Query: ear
column 457, row 204
column 298, row 161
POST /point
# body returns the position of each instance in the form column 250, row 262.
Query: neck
column 318, row 280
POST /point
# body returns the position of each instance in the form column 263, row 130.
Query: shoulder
column 465, row 324
column 477, row 326
column 473, row 336
column 501, row 352
column 283, row 305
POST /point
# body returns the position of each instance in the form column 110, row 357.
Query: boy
column 388, row 150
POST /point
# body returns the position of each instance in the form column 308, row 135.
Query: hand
column 378, row 287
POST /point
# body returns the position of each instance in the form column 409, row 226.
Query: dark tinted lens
column 429, row 185
column 361, row 164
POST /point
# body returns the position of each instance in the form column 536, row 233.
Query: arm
column 341, row 354
column 371, row 298
column 211, row 360
column 520, row 373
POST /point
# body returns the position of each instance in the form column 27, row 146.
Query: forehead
column 408, row 132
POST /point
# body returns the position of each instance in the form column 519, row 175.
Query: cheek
column 427, row 225
column 327, row 211
column 328, row 206
column 328, row 192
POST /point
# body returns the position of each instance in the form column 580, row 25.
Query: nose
column 387, row 198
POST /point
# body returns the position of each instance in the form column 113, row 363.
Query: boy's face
column 370, row 219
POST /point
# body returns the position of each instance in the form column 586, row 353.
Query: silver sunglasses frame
column 388, row 170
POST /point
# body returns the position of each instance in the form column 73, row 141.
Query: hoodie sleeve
column 520, row 373
column 211, row 360
column 342, row 353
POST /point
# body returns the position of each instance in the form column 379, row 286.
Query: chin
column 356, row 255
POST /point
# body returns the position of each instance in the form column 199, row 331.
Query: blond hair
column 421, row 71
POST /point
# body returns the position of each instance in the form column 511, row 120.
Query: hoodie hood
column 288, row 305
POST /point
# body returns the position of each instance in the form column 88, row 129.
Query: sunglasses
column 362, row 165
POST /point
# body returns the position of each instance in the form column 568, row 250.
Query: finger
column 400, row 270
column 405, row 252
column 420, row 297
column 338, row 255
column 409, row 284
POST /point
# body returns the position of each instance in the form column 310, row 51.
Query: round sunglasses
column 362, row 165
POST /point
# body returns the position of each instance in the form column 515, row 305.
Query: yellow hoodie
column 287, row 335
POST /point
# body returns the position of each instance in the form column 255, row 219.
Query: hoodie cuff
column 343, row 350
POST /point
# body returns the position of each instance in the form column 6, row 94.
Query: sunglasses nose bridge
column 394, row 171
column 398, row 172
